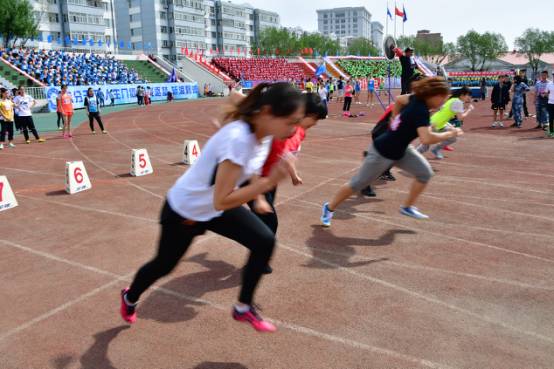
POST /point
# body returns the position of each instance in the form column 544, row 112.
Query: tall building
column 165, row 27
column 66, row 23
column 377, row 35
column 345, row 22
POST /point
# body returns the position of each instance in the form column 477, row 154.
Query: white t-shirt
column 192, row 195
column 550, row 88
column 457, row 106
column 23, row 105
column 322, row 93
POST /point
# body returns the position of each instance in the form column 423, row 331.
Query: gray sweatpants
column 424, row 148
column 375, row 164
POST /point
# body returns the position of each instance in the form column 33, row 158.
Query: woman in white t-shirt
column 207, row 196
column 24, row 103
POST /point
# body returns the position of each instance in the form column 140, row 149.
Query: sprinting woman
column 207, row 196
column 393, row 148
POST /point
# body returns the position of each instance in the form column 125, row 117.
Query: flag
column 49, row 39
column 389, row 13
column 322, row 69
column 405, row 15
column 172, row 77
column 398, row 12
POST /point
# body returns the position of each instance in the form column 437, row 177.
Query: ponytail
column 282, row 98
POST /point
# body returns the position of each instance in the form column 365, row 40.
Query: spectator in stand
column 24, row 103
column 6, row 118
column 541, row 100
column 500, row 96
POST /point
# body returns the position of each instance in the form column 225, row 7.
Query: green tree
column 405, row 41
column 491, row 45
column 468, row 47
column 534, row 43
column 481, row 48
column 17, row 21
column 362, row 46
column 281, row 41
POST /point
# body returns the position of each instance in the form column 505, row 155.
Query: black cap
column 408, row 49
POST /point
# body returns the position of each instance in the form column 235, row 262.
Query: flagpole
column 387, row 21
column 395, row 20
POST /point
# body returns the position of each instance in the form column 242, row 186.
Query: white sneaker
column 1, row 146
column 494, row 124
column 501, row 125
column 11, row 145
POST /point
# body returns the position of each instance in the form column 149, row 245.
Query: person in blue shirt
column 93, row 111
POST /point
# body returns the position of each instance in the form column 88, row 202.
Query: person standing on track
column 6, row 118
column 348, row 91
column 65, row 106
column 370, row 91
column 24, row 103
column 393, row 148
column 207, row 196
column 92, row 104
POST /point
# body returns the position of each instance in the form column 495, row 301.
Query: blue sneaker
column 326, row 215
column 413, row 212
column 438, row 154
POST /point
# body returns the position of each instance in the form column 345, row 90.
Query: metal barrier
column 36, row 92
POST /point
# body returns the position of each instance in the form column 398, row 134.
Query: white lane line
column 437, row 234
column 418, row 295
column 118, row 278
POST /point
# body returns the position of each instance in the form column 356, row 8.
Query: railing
column 36, row 92
column 168, row 66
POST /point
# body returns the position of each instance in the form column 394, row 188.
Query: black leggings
column 269, row 219
column 60, row 118
column 238, row 224
column 551, row 117
column 27, row 124
column 7, row 128
column 347, row 102
column 91, row 117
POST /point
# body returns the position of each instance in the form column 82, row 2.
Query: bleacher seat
column 55, row 67
column 260, row 69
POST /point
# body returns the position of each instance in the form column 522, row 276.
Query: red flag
column 276, row 51
column 186, row 51
column 258, row 51
column 311, row 51
column 398, row 12
column 238, row 50
column 217, row 50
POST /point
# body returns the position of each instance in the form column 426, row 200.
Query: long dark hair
column 315, row 106
column 282, row 98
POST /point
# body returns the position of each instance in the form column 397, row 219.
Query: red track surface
column 470, row 288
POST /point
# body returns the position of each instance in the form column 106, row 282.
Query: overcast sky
column 451, row 18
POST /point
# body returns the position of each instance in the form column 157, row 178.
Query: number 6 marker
column 76, row 177
column 140, row 163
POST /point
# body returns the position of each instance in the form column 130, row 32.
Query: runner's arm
column 428, row 137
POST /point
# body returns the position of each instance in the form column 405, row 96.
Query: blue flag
column 322, row 69
column 405, row 15
column 49, row 39
column 172, row 77
column 389, row 14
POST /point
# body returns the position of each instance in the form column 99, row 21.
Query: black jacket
column 500, row 94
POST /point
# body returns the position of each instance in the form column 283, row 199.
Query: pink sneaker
column 252, row 317
column 128, row 312
column 70, row 135
column 448, row 148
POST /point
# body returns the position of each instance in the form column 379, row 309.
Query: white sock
column 242, row 308
column 127, row 301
